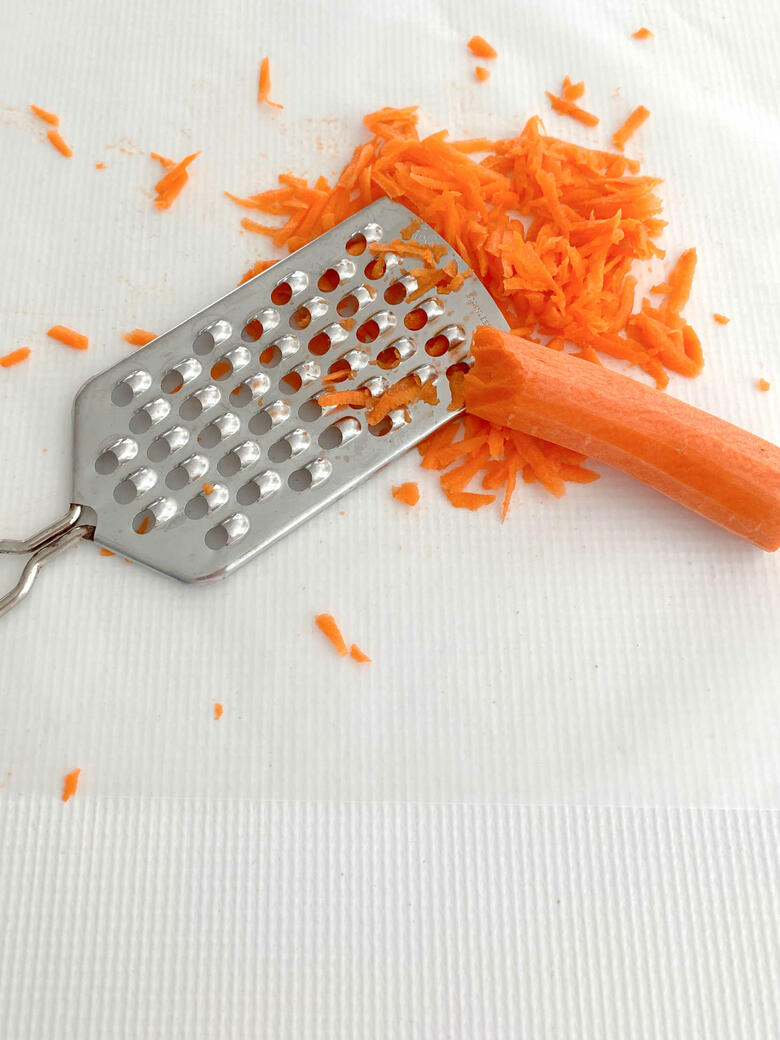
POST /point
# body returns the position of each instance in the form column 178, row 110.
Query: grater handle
column 43, row 546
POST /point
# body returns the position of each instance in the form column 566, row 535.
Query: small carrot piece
column 56, row 139
column 264, row 85
column 568, row 108
column 206, row 488
column 69, row 337
column 344, row 398
column 70, row 783
column 14, row 357
column 139, row 337
column 631, row 125
column 357, row 655
column 217, row 711
column 721, row 319
column 482, row 73
column 642, row 34
column 255, row 269
column 408, row 493
column 480, row 48
column 169, row 186
column 165, row 162
column 100, row 166
column 106, row 552
column 48, row 117
column 572, row 91
column 326, row 623
column 764, row 385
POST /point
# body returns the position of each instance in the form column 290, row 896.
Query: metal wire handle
column 43, row 546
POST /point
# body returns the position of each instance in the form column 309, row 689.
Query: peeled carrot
column 631, row 125
column 408, row 493
column 482, row 73
column 69, row 785
column 721, row 319
column 69, row 337
column 326, row 623
column 14, row 357
column 480, row 48
column 723, row 473
column 642, row 34
column 56, row 139
column 139, row 337
column 264, row 85
column 568, row 108
column 357, row 655
column 217, row 711
column 48, row 117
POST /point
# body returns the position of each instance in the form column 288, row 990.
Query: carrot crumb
column 357, row 655
column 264, row 85
column 14, row 357
column 56, row 139
column 480, row 48
column 763, row 384
column 408, row 493
column 217, row 711
column 631, row 125
column 139, row 337
column 69, row 337
column 482, row 73
column 100, row 166
column 721, row 319
column 208, row 489
column 48, row 117
column 642, row 34
column 106, row 552
column 70, row 784
column 327, row 625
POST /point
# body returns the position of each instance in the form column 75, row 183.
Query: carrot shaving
column 69, row 337
column 48, row 117
column 344, row 399
column 100, row 166
column 764, row 385
column 568, row 108
column 264, row 85
column 480, row 48
column 56, row 139
column 169, row 186
column 721, row 319
column 165, row 162
column 357, row 655
column 482, row 74
column 327, row 625
column 572, row 91
column 408, row 493
column 15, row 357
column 207, row 489
column 69, row 784
column 217, row 711
column 139, row 337
column 631, row 125
column 106, row 552
column 642, row 34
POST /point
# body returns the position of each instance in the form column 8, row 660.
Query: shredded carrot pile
column 69, row 337
column 169, row 186
column 721, row 319
column 763, row 384
column 69, row 785
column 631, row 125
column 48, row 117
column 408, row 493
column 264, row 85
column 217, row 711
column 482, row 74
column 326, row 623
column 14, row 357
column 56, row 139
column 642, row 34
column 561, row 275
column 357, row 655
column 480, row 48
column 139, row 337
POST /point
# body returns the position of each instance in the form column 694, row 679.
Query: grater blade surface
column 208, row 445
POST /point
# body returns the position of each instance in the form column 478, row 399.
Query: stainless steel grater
column 206, row 446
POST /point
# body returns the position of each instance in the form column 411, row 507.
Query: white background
column 610, row 649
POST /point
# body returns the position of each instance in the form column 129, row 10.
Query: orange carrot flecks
column 264, row 85
column 48, row 117
column 69, row 784
column 217, row 711
column 206, row 488
column 69, row 337
column 721, row 319
column 480, row 48
column 642, row 34
column 482, row 74
column 357, row 655
column 169, row 186
column 100, row 166
column 631, row 125
column 14, row 357
column 569, row 108
column 56, row 139
column 106, row 552
column 764, row 384
column 408, row 493
column 139, row 337
column 327, row 625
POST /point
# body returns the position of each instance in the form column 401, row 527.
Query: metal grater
column 229, row 399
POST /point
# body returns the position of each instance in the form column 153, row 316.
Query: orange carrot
column 207, row 489
column 257, row 268
column 217, row 711
column 48, row 117
column 139, row 337
column 165, row 162
column 106, row 552
column 14, row 357
column 70, row 784
column 568, row 108
column 344, row 398
column 480, row 48
column 264, row 85
column 100, row 166
column 631, row 125
column 572, row 91
column 169, row 186
column 481, row 73
column 69, row 337
column 721, row 319
column 327, row 625
column 763, row 385
column 56, row 139
column 357, row 655
column 408, row 493
column 727, row 475
column 642, row 34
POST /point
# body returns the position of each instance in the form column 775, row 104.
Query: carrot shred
column 344, row 399
column 408, row 493
column 631, row 125
column 207, row 489
column 48, row 117
column 169, row 186
column 217, row 711
column 480, row 48
column 100, row 166
column 139, row 337
column 572, row 91
column 14, row 357
column 69, row 784
column 69, row 337
column 357, row 655
column 264, row 85
column 642, row 34
column 165, row 162
column 56, row 139
column 327, row 625
column 721, row 319
column 764, row 385
column 482, row 74
column 106, row 552
column 255, row 269
column 569, row 108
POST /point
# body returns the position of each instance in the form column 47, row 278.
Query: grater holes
column 199, row 402
column 242, row 456
column 210, row 337
column 251, row 389
column 416, row 319
column 231, row 530
column 390, row 422
column 308, row 312
column 151, row 413
column 191, row 469
column 398, row 291
column 207, row 502
column 450, row 337
column 351, row 303
column 133, row 385
column 259, row 488
column 388, row 358
column 167, row 443
column 274, row 414
column 319, row 344
column 292, row 285
column 288, row 447
column 376, row 325
column 311, row 475
column 356, row 245
column 339, row 433
column 119, row 451
column 310, row 410
column 219, row 430
column 134, row 485
column 156, row 514
column 293, row 382
column 329, row 280
column 339, row 371
column 258, row 324
column 375, row 268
